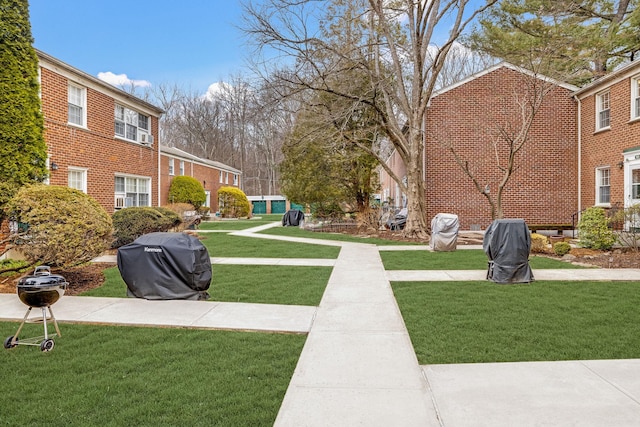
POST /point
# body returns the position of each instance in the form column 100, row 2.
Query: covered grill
column 444, row 232
column 163, row 266
column 40, row 290
column 507, row 243
column 293, row 218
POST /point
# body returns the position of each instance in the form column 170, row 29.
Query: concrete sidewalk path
column 180, row 313
column 588, row 393
column 358, row 366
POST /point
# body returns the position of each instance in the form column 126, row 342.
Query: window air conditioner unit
column 119, row 202
column 145, row 138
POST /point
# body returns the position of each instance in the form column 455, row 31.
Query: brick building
column 609, row 139
column 212, row 175
column 104, row 142
column 100, row 139
column 476, row 113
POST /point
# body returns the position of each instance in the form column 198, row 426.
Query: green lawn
column 226, row 245
column 464, row 259
column 474, row 322
column 232, row 225
column 246, row 283
column 126, row 376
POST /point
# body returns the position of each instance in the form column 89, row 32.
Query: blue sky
column 193, row 43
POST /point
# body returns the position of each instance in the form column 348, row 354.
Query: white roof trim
column 503, row 65
column 183, row 155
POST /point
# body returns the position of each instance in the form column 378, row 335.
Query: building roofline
column 611, row 77
column 178, row 153
column 495, row 67
column 55, row 61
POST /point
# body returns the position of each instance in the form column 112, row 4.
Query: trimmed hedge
column 131, row 223
column 233, row 203
column 186, row 189
column 65, row 226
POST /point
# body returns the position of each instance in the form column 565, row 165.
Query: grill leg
column 44, row 322
column 55, row 323
column 24, row 320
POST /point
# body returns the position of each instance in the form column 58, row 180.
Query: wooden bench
column 558, row 227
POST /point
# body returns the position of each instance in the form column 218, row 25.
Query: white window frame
column 181, row 167
column 77, row 102
column 226, row 177
column 129, row 123
column 603, row 180
column 171, row 166
column 635, row 187
column 132, row 190
column 82, row 173
column 235, row 179
column 603, row 110
column 221, row 177
column 635, row 98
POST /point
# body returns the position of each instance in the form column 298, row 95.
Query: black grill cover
column 507, row 243
column 294, row 217
column 160, row 266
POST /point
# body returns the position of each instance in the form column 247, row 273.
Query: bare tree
column 502, row 135
column 392, row 43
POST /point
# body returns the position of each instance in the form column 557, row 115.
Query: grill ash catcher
column 39, row 290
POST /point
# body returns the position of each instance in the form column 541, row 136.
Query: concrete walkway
column 358, row 366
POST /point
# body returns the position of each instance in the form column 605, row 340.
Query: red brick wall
column 543, row 189
column 604, row 148
column 208, row 176
column 95, row 147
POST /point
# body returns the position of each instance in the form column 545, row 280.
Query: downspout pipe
column 579, row 155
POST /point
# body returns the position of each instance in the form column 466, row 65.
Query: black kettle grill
column 41, row 290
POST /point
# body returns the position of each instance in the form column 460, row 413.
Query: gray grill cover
column 444, row 232
column 162, row 266
column 507, row 243
column 294, row 218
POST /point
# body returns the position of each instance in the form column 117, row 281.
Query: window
column 181, row 167
column 220, row 177
column 226, row 177
column 235, row 180
column 77, row 178
column 130, row 124
column 635, row 98
column 132, row 191
column 603, row 187
column 635, row 184
column 603, row 119
column 77, row 99
column 171, row 167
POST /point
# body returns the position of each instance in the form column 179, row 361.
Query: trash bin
column 507, row 243
column 164, row 266
column 444, row 232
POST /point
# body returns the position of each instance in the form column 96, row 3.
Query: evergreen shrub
column 186, row 189
column 233, row 203
column 131, row 223
column 561, row 248
column 538, row 243
column 594, row 231
column 65, row 226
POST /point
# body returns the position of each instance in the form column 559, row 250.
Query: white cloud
column 216, row 89
column 121, row 80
